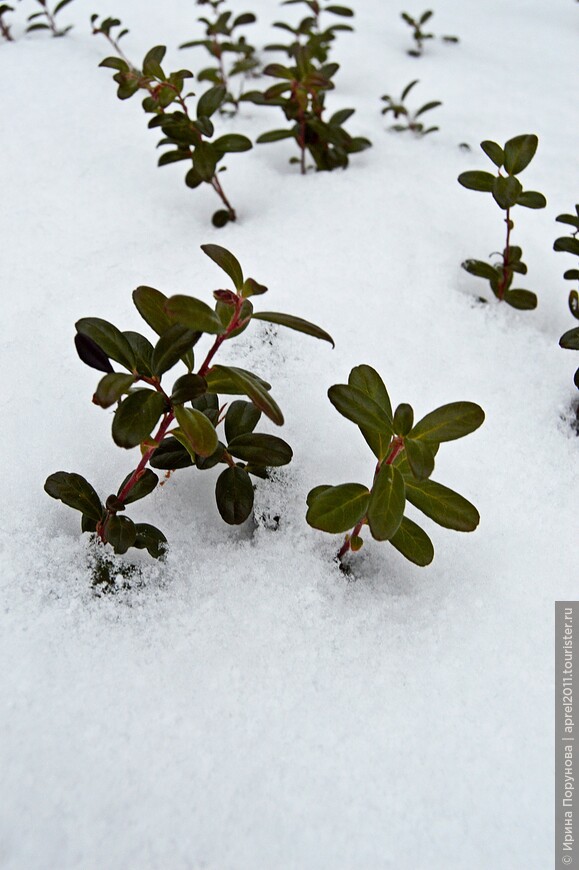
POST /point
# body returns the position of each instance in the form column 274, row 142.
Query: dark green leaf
column 241, row 419
column 570, row 339
column 357, row 406
column 172, row 345
column 413, row 543
column 367, row 379
column 91, row 354
column 532, row 199
column 151, row 539
column 205, row 159
column 268, row 451
column 226, row 261
column 152, row 61
column 75, row 492
column 494, row 151
column 519, row 152
column 150, row 304
column 387, row 501
column 420, row 458
column 219, row 380
column 569, row 244
column 449, row 422
column 403, row 419
column 506, row 191
column 188, row 387
column 170, row 454
column 248, row 384
column 296, row 323
column 234, row 495
column 252, row 288
column 121, row 533
column 480, row 269
column 275, row 136
column 136, row 416
column 336, row 509
column 524, row 300
column 232, row 142
column 110, row 340
column 441, row 504
column 111, row 388
column 197, row 433
column 194, row 314
column 477, row 180
column 210, row 101
column 145, row 484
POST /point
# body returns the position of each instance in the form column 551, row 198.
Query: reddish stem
column 233, row 325
column 506, row 252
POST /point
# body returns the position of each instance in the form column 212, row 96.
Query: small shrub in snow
column 46, row 20
column 418, row 35
column 190, row 137
column 309, row 32
column 570, row 244
column 5, row 10
column 507, row 191
column 300, row 94
column 221, row 39
column 405, row 452
column 410, row 122
column 178, row 427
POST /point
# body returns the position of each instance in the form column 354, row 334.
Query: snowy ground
column 249, row 708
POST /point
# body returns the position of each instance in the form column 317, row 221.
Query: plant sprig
column 411, row 122
column 405, row 452
column 570, row 244
column 46, row 19
column 300, row 94
column 5, row 32
column 507, row 191
column 177, row 428
column 189, row 137
column 309, row 32
column 418, row 35
column 221, row 39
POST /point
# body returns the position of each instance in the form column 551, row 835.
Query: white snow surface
column 248, row 707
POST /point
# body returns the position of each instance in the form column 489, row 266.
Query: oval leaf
column 234, row 495
column 413, row 543
column 449, row 422
column 519, row 152
column 177, row 341
column 267, row 451
column 296, row 323
column 194, row 314
column 477, row 180
column 75, row 492
column 145, row 484
column 197, row 430
column 136, row 416
column 226, row 261
column 110, row 339
column 443, row 505
column 336, row 509
column 241, row 419
column 387, row 502
column 358, row 407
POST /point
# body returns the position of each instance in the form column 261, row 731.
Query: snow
column 246, row 706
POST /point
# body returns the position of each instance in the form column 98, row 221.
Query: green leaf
column 494, row 151
column 121, row 533
column 532, row 199
column 267, row 451
column 358, row 407
column 75, row 492
column 570, row 339
column 315, row 492
column 151, row 539
column 170, row 454
column 150, row 304
column 506, row 191
column 111, row 388
column 420, row 458
column 197, row 433
column 110, row 339
column 205, row 159
column 219, row 380
column 524, row 300
column 115, row 63
column 568, row 219
column 367, row 379
column 340, row 10
column 91, row 354
column 519, row 152
column 136, row 416
column 441, row 504
column 252, row 288
column 193, row 180
column 477, row 180
column 413, row 543
column 152, row 61
column 232, row 142
column 569, row 244
column 234, row 495
column 403, row 419
column 248, row 384
column 210, row 101
column 188, row 387
column 226, row 261
column 387, row 501
column 145, row 484
column 275, row 136
column 449, row 422
column 297, row 323
column 336, row 509
column 241, row 419
column 142, row 350
column 172, row 345
column 194, row 314
column 480, row 269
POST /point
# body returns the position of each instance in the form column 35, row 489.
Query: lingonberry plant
column 418, row 35
column 300, row 94
column 411, row 122
column 309, row 32
column 46, row 20
column 507, row 191
column 178, row 427
column 570, row 245
column 405, row 453
column 221, row 39
column 5, row 9
column 190, row 138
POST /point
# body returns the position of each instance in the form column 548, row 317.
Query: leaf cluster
column 46, row 19
column 180, row 427
column 309, row 32
column 222, row 39
column 300, row 93
column 418, row 34
column 507, row 191
column 570, row 245
column 405, row 452
column 188, row 138
column 5, row 32
column 410, row 119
